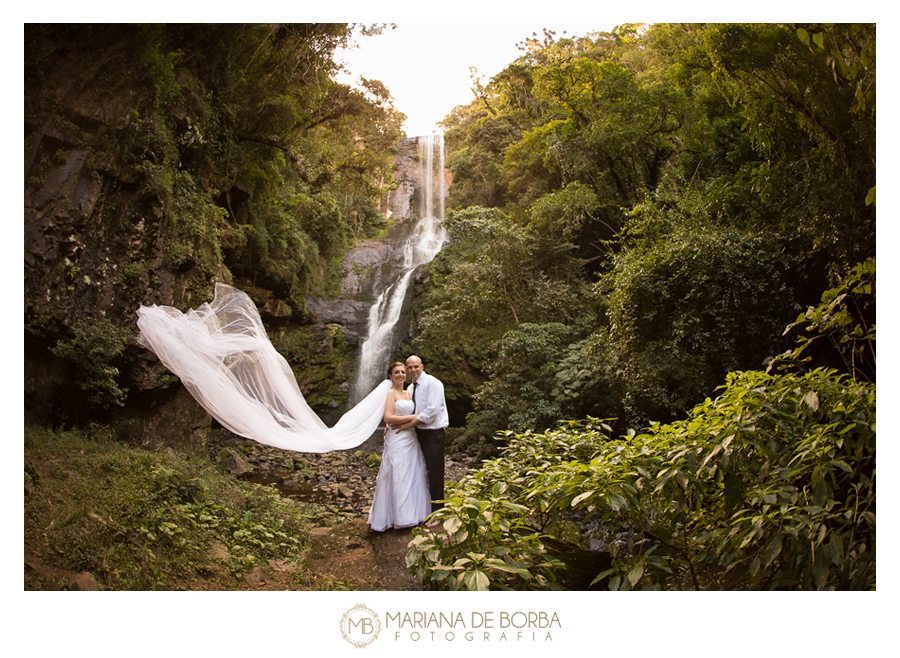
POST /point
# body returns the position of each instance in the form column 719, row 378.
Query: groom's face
column 414, row 368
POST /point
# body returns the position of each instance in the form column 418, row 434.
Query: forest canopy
column 641, row 212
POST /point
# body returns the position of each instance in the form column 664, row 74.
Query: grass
column 142, row 520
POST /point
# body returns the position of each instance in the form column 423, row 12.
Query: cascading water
column 422, row 245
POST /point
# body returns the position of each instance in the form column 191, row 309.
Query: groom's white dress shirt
column 430, row 403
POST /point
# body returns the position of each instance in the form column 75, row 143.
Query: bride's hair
column 394, row 365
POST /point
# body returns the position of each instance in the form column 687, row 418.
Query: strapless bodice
column 403, row 407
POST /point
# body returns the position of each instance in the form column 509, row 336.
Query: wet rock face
column 401, row 202
column 92, row 253
column 170, row 418
column 359, row 263
column 351, row 315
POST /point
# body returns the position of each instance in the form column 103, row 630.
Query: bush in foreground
column 769, row 486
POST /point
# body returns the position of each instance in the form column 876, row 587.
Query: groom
column 428, row 397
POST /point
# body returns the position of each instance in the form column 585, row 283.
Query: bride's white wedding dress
column 401, row 490
column 223, row 356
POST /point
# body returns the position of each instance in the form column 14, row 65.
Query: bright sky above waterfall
column 426, row 65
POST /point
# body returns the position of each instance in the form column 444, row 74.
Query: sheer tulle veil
column 222, row 355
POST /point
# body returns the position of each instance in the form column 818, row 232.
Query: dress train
column 223, row 356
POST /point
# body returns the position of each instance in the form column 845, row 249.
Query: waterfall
column 419, row 248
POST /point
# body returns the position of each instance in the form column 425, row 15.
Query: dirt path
column 369, row 560
column 344, row 481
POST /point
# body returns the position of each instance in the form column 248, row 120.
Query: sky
column 425, row 66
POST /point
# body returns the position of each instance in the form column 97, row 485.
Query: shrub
column 844, row 320
column 688, row 302
column 769, row 486
column 93, row 349
column 485, row 544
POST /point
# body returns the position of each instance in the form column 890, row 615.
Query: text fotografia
column 479, row 626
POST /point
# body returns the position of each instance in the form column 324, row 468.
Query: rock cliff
column 94, row 250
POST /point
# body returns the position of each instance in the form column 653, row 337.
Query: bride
column 401, row 490
column 223, row 356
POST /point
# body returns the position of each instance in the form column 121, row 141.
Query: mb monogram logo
column 360, row 626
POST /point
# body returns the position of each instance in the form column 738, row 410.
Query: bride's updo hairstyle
column 394, row 365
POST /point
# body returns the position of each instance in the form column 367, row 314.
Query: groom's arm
column 408, row 425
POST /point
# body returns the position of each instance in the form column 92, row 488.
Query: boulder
column 168, row 418
column 84, row 582
column 235, row 463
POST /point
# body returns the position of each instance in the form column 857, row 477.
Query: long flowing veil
column 222, row 355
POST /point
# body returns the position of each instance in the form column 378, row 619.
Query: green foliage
column 785, row 467
column 197, row 227
column 134, row 274
column 850, row 51
column 708, row 176
column 479, row 162
column 495, row 254
column 587, row 379
column 140, row 520
column 321, row 364
column 559, row 217
column 484, row 545
column 521, row 392
column 798, row 117
column 494, row 535
column 689, row 301
column 168, row 485
column 248, row 158
column 499, row 291
column 529, row 168
column 497, row 272
column 845, row 318
column 284, row 222
column 769, row 486
column 93, row 349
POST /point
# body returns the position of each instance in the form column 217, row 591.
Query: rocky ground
column 343, row 548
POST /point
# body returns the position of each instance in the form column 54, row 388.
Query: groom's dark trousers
column 432, row 442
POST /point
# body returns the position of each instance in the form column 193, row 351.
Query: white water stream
column 423, row 244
